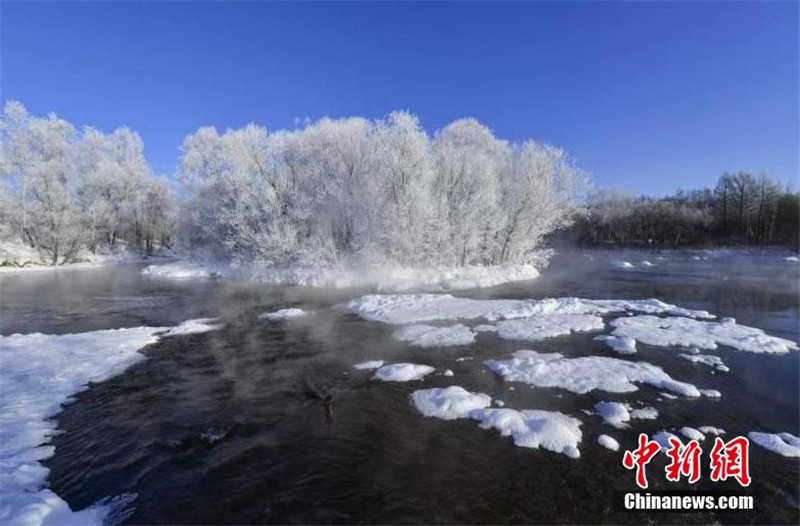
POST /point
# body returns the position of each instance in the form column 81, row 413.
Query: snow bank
column 685, row 332
column 619, row 344
column 449, row 403
column 581, row 375
column 373, row 364
column 538, row 328
column 402, row 372
column 784, row 444
column 39, row 373
column 416, row 308
column 548, row 430
column 283, row 314
column 196, row 326
column 382, row 278
column 608, row 442
column 707, row 359
column 429, row 336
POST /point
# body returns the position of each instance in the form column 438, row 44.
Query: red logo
column 685, row 460
column 731, row 460
column 639, row 457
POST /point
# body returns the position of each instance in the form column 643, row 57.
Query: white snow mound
column 402, row 372
column 448, row 403
column 784, row 444
column 584, row 374
column 548, row 430
column 430, row 336
column 608, row 442
column 618, row 344
column 537, row 328
column 283, row 314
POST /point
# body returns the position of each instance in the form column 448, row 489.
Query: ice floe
column 647, row 264
column 548, row 430
column 536, row 328
column 39, row 373
column 710, row 393
column 584, row 374
column 792, row 259
column 619, row 344
column 447, row 372
column 416, row 308
column 283, row 314
column 402, row 372
column 692, row 433
column 707, row 359
column 368, row 365
column 685, row 332
column 784, row 444
column 622, row 264
column 608, row 442
column 662, row 438
column 449, row 403
column 430, row 336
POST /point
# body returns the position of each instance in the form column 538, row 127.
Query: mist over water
column 231, row 426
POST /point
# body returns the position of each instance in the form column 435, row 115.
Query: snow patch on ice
column 619, row 344
column 692, row 433
column 711, row 430
column 537, row 328
column 584, row 374
column 707, row 359
column 402, row 372
column 448, row 403
column 38, row 374
column 416, row 308
column 784, row 444
column 430, row 336
column 283, row 314
column 548, row 430
column 608, row 442
column 614, row 413
column 685, row 332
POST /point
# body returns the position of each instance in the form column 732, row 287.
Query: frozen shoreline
column 381, row 278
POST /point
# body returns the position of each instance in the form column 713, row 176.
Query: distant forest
column 740, row 210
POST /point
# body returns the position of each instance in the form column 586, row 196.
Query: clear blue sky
column 651, row 97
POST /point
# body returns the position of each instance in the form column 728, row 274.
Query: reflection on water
column 267, row 422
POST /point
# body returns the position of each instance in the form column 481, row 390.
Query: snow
column 792, row 259
column 548, row 430
column 613, row 413
column 283, row 314
column 38, row 374
column 692, row 433
column 484, row 328
column 711, row 430
column 196, row 326
column 430, row 336
column 402, row 372
column 449, row 403
column 645, row 413
column 383, row 278
column 622, row 264
column 685, row 332
column 662, row 438
column 16, row 257
column 668, row 396
column 499, row 403
column 447, row 372
column 784, row 444
column 538, row 328
column 711, row 393
column 584, row 374
column 707, row 359
column 415, row 308
column 617, row 414
column 373, row 364
column 608, row 442
column 647, row 264
column 619, row 344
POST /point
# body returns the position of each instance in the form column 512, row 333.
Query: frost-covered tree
column 356, row 191
column 67, row 190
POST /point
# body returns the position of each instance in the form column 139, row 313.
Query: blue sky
column 650, row 97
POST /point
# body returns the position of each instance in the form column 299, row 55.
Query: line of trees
column 352, row 190
column 66, row 191
column 740, row 210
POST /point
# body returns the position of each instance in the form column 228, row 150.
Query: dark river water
column 230, row 427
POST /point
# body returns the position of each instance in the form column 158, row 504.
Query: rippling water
column 230, row 426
